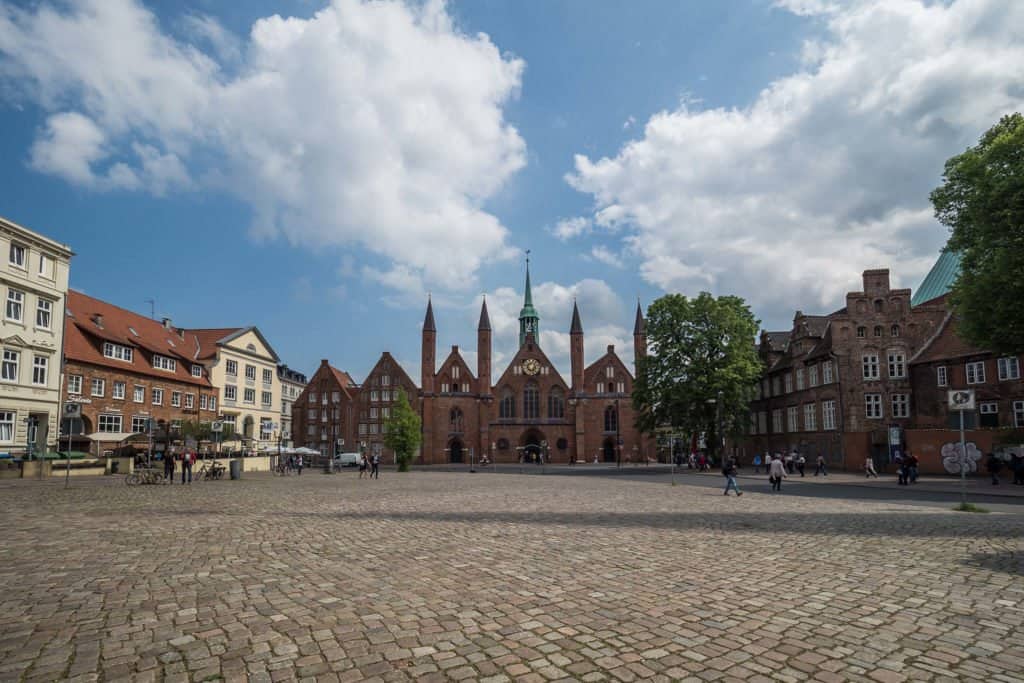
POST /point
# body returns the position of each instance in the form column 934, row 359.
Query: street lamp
column 618, row 437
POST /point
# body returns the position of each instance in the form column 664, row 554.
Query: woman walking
column 729, row 470
column 869, row 468
column 776, row 473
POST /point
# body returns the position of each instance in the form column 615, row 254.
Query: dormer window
column 117, row 352
column 197, row 370
column 164, row 363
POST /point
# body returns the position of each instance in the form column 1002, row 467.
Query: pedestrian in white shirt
column 776, row 473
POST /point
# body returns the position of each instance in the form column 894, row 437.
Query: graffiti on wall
column 952, row 456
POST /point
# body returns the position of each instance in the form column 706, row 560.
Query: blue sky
column 317, row 173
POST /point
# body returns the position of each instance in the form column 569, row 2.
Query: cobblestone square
column 498, row 577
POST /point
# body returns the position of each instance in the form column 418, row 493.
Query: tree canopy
column 701, row 367
column 981, row 199
column 402, row 432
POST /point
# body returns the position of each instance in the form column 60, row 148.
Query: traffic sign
column 961, row 399
column 72, row 410
column 217, row 426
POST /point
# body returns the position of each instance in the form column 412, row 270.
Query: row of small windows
column 790, row 420
column 1007, row 369
column 248, row 396
column 14, row 311
column 897, row 365
column 862, row 332
column 127, row 354
column 98, row 389
column 231, row 370
column 775, row 385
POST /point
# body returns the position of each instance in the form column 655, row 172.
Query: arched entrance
column 456, row 451
column 531, row 446
column 247, row 427
column 608, row 449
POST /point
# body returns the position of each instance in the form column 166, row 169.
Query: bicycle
column 210, row 470
column 284, row 469
column 144, row 476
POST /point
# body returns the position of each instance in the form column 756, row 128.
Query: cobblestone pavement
column 448, row 576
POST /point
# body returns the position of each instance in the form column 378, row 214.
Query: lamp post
column 618, row 437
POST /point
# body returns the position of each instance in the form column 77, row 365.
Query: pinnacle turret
column 577, row 326
column 428, row 321
column 485, row 320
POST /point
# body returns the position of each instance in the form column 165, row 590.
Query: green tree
column 402, row 432
column 701, row 368
column 981, row 199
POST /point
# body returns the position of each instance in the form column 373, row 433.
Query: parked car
column 346, row 460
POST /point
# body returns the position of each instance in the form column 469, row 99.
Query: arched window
column 455, row 422
column 894, row 331
column 507, row 407
column 531, row 401
column 878, row 330
column 556, row 403
column 611, row 419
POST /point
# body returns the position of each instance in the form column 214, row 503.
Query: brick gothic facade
column 530, row 408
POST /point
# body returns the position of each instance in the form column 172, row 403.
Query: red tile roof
column 208, row 338
column 84, row 337
column 946, row 343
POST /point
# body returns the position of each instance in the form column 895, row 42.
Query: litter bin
column 115, row 467
column 236, row 468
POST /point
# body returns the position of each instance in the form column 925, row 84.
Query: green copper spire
column 529, row 320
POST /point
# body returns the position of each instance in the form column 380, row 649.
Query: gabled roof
column 84, row 336
column 946, row 344
column 455, row 358
column 824, row 345
column 537, row 353
column 386, row 356
column 210, row 336
column 776, row 340
column 939, row 279
column 603, row 361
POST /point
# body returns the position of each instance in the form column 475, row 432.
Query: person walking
column 757, row 463
column 298, row 464
column 1017, row 466
column 911, row 461
column 362, row 465
column 169, row 467
column 375, row 471
column 187, row 458
column 776, row 473
column 729, row 470
column 801, row 463
column 869, row 468
column 789, row 462
column 821, row 467
column 993, row 465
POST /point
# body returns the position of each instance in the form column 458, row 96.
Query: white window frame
column 157, row 395
column 114, row 423
column 1018, row 413
column 190, row 401
column 117, row 391
column 44, row 261
column 788, row 382
column 44, row 314
column 15, row 305
column 203, row 401
column 900, row 405
column 873, row 407
column 250, row 373
column 777, row 423
column 810, row 417
column 828, row 415
column 268, row 376
column 989, row 408
column 138, row 393
column 826, row 372
column 74, row 385
column 799, row 379
column 175, row 399
column 11, row 359
column 7, row 419
column 213, row 403
column 140, row 421
column 975, row 372
column 897, row 364
column 266, row 398
column 941, row 376
column 249, row 397
column 164, row 363
column 230, row 392
column 1009, row 368
column 197, row 370
column 118, row 352
column 98, row 387
column 40, row 370
column 793, row 418
column 869, row 367
column 231, row 367
column 22, row 255
column 812, row 375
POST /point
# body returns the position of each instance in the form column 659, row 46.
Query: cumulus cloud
column 378, row 124
column 603, row 254
column 827, row 172
column 567, row 228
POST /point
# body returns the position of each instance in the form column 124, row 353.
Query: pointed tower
column 429, row 349
column 529, row 320
column 483, row 351
column 639, row 339
column 576, row 349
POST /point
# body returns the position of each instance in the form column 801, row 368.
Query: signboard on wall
column 961, row 399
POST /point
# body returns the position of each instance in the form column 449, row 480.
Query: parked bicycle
column 144, row 476
column 284, row 468
column 210, row 470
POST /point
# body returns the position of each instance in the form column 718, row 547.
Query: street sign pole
column 963, row 463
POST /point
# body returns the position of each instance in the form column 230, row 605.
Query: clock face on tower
column 531, row 366
column 528, row 326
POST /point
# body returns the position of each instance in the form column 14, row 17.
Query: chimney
column 166, row 323
column 611, row 348
column 181, row 334
column 323, row 361
column 98, row 319
column 455, row 348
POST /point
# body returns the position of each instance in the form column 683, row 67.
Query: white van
column 346, row 460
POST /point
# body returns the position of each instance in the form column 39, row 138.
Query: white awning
column 115, row 437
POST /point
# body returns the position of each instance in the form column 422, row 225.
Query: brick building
column 292, row 384
column 945, row 362
column 530, row 408
column 124, row 369
column 839, row 385
column 322, row 415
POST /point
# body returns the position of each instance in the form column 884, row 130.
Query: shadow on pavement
column 1008, row 562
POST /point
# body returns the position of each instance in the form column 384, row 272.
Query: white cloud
column 828, row 171
column 606, row 256
column 568, row 228
column 378, row 124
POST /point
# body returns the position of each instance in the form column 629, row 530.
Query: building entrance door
column 531, row 448
column 608, row 450
column 456, row 452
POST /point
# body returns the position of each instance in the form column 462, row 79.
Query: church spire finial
column 529, row 320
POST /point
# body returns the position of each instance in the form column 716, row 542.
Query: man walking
column 729, row 470
column 169, row 467
column 821, row 467
column 298, row 464
column 187, row 458
column 801, row 463
column 869, row 468
column 776, row 471
column 375, row 466
column 757, row 463
column 993, row 465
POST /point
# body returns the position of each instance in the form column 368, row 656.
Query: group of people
column 792, row 463
column 775, row 467
column 373, row 464
column 187, row 460
column 994, row 465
